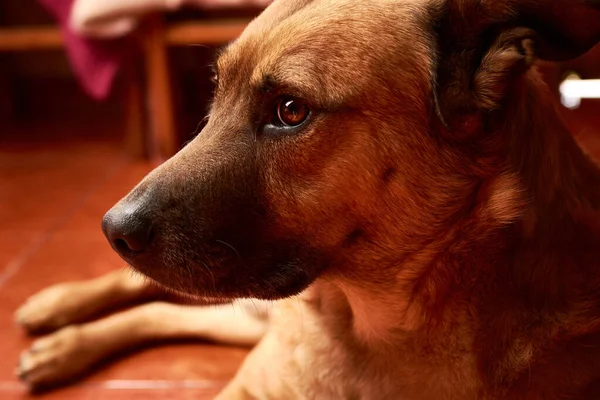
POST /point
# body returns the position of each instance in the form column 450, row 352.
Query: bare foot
column 58, row 358
column 57, row 306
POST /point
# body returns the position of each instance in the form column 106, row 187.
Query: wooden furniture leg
column 7, row 106
column 163, row 137
column 136, row 127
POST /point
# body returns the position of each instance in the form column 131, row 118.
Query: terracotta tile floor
column 54, row 189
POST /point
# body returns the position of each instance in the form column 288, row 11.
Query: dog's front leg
column 72, row 302
column 235, row 391
column 71, row 351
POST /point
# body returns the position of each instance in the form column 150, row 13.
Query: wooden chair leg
column 7, row 105
column 163, row 135
column 136, row 139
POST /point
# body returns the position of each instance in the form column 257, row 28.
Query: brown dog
column 399, row 167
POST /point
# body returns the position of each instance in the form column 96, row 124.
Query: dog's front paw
column 52, row 308
column 56, row 358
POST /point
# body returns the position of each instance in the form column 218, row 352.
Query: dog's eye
column 292, row 111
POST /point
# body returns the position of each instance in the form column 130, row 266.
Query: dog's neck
column 534, row 209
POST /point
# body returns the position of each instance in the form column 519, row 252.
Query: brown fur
column 440, row 221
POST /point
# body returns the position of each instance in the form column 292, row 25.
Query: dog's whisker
column 255, row 307
column 200, row 45
column 231, row 247
column 212, row 275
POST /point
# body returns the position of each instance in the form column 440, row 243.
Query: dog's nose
column 127, row 229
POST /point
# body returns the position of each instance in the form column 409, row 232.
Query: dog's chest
column 311, row 364
column 303, row 359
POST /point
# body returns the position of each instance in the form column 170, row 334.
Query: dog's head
column 343, row 136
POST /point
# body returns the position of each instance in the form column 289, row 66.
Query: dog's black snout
column 127, row 229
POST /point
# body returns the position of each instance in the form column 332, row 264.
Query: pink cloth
column 95, row 62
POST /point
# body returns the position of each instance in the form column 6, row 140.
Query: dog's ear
column 485, row 44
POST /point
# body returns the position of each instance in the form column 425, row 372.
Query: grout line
column 130, row 384
column 17, row 263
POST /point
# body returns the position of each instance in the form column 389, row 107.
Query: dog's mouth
column 195, row 280
column 169, row 294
